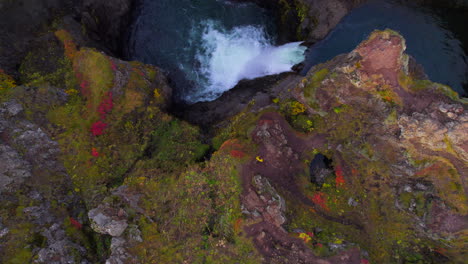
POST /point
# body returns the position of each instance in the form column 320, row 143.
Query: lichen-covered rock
column 107, row 220
column 265, row 202
column 309, row 20
column 36, row 187
column 395, row 191
column 60, row 249
column 119, row 254
column 439, row 127
column 13, row 169
column 398, row 151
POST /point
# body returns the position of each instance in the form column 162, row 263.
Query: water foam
column 245, row 52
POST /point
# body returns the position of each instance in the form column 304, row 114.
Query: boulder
column 107, row 220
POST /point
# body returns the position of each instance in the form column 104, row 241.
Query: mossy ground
column 6, row 84
column 113, row 131
column 194, row 216
column 190, row 213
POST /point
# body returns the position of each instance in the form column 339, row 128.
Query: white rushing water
column 245, row 52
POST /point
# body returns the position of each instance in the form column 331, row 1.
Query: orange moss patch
column 234, row 148
column 238, row 224
column 132, row 100
column 68, row 43
column 237, row 154
column 229, row 144
column 6, row 83
column 339, row 180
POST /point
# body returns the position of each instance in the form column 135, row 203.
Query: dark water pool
column 207, row 46
column 436, row 38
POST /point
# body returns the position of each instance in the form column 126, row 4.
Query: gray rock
column 59, row 248
column 13, row 108
column 4, row 232
column 134, row 234
column 106, row 220
column 40, row 214
column 13, row 169
column 119, row 254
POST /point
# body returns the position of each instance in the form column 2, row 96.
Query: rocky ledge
column 98, row 171
column 363, row 160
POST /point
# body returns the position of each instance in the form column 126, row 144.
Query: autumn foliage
column 75, row 223
column 98, row 128
column 320, row 199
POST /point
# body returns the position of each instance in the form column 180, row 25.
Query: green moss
column 302, row 11
column 410, row 84
column 94, row 73
column 22, row 256
column 313, row 82
column 6, row 85
column 447, row 91
column 17, row 250
column 392, row 118
column 303, row 124
column 194, row 215
column 238, row 126
column 174, row 144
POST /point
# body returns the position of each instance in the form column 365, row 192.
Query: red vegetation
column 84, row 84
column 428, row 170
column 232, row 143
column 75, row 223
column 265, row 122
column 113, row 66
column 94, row 152
column 104, row 108
column 364, row 261
column 106, row 105
column 320, row 199
column 68, row 44
column 139, row 72
column 98, row 128
column 441, row 251
column 339, row 180
column 237, row 154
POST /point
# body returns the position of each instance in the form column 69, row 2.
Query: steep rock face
column 398, row 149
column 63, row 147
column 35, row 185
column 462, row 4
column 106, row 21
column 24, row 23
column 308, row 20
column 98, row 171
column 320, row 17
column 19, row 24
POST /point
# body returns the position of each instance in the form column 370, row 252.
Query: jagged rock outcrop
column 20, row 21
column 308, row 20
column 397, row 145
column 107, row 220
column 98, row 171
column 35, row 184
column 107, row 22
column 24, row 25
